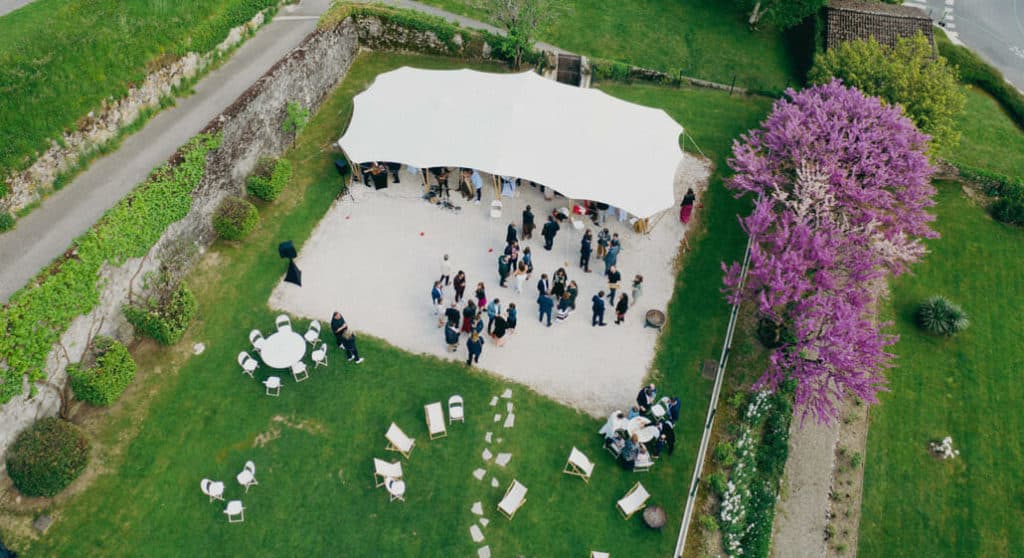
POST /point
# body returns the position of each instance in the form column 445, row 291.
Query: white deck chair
column 235, row 511
column 256, row 338
column 248, row 364
column 313, row 333
column 435, row 420
column 215, row 490
column 633, row 501
column 578, row 464
column 273, row 384
column 398, row 441
column 514, row 499
column 382, row 471
column 283, row 323
column 496, row 209
column 596, row 554
column 456, row 412
column 247, row 477
column 299, row 372
column 319, row 356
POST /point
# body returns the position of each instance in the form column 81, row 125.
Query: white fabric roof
column 582, row 142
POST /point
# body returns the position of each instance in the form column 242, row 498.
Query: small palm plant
column 939, row 316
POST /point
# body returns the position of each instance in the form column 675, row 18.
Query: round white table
column 283, row 349
column 636, row 424
column 647, row 433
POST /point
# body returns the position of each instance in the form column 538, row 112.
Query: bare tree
column 522, row 20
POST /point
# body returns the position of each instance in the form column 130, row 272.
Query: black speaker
column 342, row 166
column 286, row 249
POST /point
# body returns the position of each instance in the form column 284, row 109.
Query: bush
column 994, row 183
column 939, row 316
column 235, row 218
column 1009, row 211
column 46, row 457
column 708, row 523
column 105, row 381
column 725, row 454
column 165, row 316
column 269, row 179
column 717, row 482
column 6, row 221
column 975, row 71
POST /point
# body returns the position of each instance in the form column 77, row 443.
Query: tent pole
column 355, row 169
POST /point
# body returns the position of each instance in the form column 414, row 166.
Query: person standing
column 603, row 238
column 645, row 399
column 614, row 276
column 465, row 188
column 481, row 296
column 573, row 291
column 493, row 310
column 513, row 256
column 394, row 168
column 451, row 316
column 543, row 285
column 528, row 260
column 520, row 277
column 468, row 313
column 512, row 314
column 504, row 268
column 459, row 283
column 339, row 327
column 528, row 224
column 620, row 309
column 451, row 338
column 446, row 269
column 474, row 346
column 478, row 184
column 597, row 307
column 436, row 297
column 686, row 208
column 511, row 235
column 611, row 259
column 546, row 304
column 638, row 287
column 500, row 329
column 345, row 338
column 560, row 281
column 549, row 231
column 585, row 249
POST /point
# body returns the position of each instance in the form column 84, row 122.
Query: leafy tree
column 522, row 20
column 907, row 75
column 843, row 186
column 782, row 13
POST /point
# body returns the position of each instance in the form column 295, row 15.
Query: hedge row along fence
column 975, row 71
column 36, row 316
column 1008, row 192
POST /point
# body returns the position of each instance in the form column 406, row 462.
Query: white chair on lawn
column 299, row 371
column 396, row 489
column 579, row 465
column 455, row 409
column 319, row 356
column 633, row 501
column 257, row 340
column 273, row 384
column 435, row 420
column 496, row 209
column 514, row 499
column 398, row 441
column 283, row 323
column 596, row 554
column 215, row 490
column 313, row 333
column 235, row 511
column 382, row 471
column 643, row 462
column 247, row 477
column 248, row 364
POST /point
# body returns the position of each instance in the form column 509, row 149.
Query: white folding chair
column 496, row 209
column 283, row 323
column 256, row 338
column 313, row 333
column 248, row 364
column 398, row 441
column 455, row 409
column 247, row 477
column 319, row 356
column 596, row 554
column 514, row 499
column 643, row 462
column 382, row 471
column 299, row 372
column 396, row 489
column 578, row 464
column 633, row 501
column 235, row 511
column 273, row 384
column 215, row 490
column 435, row 420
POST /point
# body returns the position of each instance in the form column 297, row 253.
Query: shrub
column 235, row 218
column 1009, row 211
column 6, row 221
column 725, row 454
column 994, row 183
column 166, row 315
column 717, row 482
column 269, row 179
column 46, row 457
column 975, row 71
column 708, row 523
column 939, row 316
column 105, row 381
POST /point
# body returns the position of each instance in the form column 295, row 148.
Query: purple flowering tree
column 843, row 188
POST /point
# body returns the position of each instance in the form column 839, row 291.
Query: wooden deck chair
column 579, row 465
column 634, row 501
column 435, row 420
column 514, row 499
column 398, row 441
column 382, row 471
column 596, row 554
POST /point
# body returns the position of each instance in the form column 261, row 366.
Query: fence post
column 732, row 85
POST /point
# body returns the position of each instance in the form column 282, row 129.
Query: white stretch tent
column 582, row 142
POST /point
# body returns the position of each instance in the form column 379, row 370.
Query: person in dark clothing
column 345, row 338
column 339, row 327
column 546, row 304
column 673, row 409
column 543, row 284
column 451, row 338
column 474, row 346
column 513, row 316
column 646, row 398
column 468, row 313
column 573, row 291
column 528, row 224
column 394, row 168
column 511, row 234
column 586, row 245
column 598, row 308
column 667, row 439
column 560, row 281
column 500, row 328
column 613, row 282
column 620, row 309
column 459, row 283
column 549, row 231
column 504, row 268
column 451, row 315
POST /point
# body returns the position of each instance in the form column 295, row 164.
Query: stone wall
column 376, row 33
column 251, row 128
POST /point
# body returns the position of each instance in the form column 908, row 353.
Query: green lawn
column 989, row 139
column 316, row 496
column 967, row 387
column 60, row 58
column 707, row 39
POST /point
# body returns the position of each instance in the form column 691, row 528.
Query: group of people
column 663, row 415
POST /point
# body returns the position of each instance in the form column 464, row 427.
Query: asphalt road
column 992, row 28
column 7, row 6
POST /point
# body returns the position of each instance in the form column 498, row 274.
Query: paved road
column 45, row 233
column 992, row 28
column 8, row 6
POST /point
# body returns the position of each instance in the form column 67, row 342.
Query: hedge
column 6, row 221
column 47, row 457
column 210, row 33
column 235, row 218
column 164, row 321
column 1008, row 191
column 270, row 178
column 975, row 71
column 105, row 381
column 38, row 314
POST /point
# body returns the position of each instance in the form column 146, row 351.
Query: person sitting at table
column 647, row 396
column 634, row 411
column 612, row 424
column 666, row 440
column 627, row 457
column 673, row 409
column 643, row 459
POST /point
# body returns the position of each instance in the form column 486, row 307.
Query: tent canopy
column 582, row 142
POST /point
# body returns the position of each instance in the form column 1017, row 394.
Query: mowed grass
column 967, row 387
column 316, row 495
column 59, row 59
column 989, row 139
column 707, row 39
